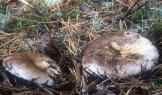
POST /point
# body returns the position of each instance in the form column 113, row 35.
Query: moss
column 157, row 84
column 138, row 15
column 20, row 23
column 157, row 27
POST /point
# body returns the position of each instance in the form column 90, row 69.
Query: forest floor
column 62, row 31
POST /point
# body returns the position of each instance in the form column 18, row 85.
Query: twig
column 131, row 11
column 129, row 90
column 45, row 89
column 131, row 8
column 7, row 42
column 139, row 7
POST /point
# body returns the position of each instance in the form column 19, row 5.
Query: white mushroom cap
column 119, row 55
column 32, row 67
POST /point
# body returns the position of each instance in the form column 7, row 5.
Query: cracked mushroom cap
column 119, row 55
column 34, row 67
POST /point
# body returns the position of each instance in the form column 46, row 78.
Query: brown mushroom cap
column 120, row 54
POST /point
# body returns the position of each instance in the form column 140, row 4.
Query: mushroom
column 34, row 67
column 120, row 55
